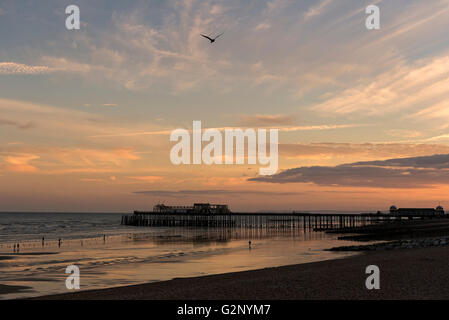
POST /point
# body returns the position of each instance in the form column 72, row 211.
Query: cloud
column 171, row 53
column 216, row 9
column 134, row 134
column 262, row 26
column 316, row 9
column 442, row 137
column 20, row 163
column 359, row 150
column 91, row 180
column 189, row 193
column 12, row 68
column 265, row 120
column 91, row 158
column 53, row 160
column 79, row 126
column 403, row 133
column 440, row 161
column 111, row 105
column 275, row 5
column 67, row 65
column 48, row 119
column 417, row 18
column 320, row 127
column 265, row 76
column 137, row 52
column 423, row 85
column 415, row 172
column 148, row 179
column 24, row 126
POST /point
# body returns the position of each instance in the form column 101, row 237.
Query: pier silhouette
column 306, row 221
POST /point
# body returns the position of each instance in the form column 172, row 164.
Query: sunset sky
column 85, row 115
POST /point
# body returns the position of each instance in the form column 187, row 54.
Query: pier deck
column 315, row 221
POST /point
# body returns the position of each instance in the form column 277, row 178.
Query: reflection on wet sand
column 212, row 235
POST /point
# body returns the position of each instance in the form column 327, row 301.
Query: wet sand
column 123, row 261
column 404, row 274
column 7, row 289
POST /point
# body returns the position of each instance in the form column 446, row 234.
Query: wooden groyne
column 317, row 222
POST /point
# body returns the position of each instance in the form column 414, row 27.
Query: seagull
column 212, row 40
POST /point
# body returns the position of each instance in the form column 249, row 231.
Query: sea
column 36, row 250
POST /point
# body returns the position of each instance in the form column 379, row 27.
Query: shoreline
column 404, row 274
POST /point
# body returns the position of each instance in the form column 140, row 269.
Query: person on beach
column 14, row 247
column 59, row 243
column 249, row 243
column 43, row 241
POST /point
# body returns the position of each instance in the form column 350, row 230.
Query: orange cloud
column 92, row 158
column 266, row 120
column 91, row 180
column 149, row 179
column 21, row 163
column 68, row 160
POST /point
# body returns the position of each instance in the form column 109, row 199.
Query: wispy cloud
column 13, row 68
column 320, row 127
column 359, row 150
column 51, row 65
column 147, row 179
column 266, row 120
column 88, row 105
column 262, row 122
column 66, row 160
column 20, row 163
column 188, row 193
column 316, row 9
column 406, row 86
column 46, row 119
column 274, row 5
column 19, row 125
column 262, row 26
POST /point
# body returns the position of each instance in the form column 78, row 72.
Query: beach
column 404, row 274
column 132, row 255
column 210, row 263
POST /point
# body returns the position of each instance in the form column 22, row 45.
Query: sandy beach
column 404, row 274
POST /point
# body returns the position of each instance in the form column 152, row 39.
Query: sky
column 86, row 115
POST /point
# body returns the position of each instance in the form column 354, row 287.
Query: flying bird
column 212, row 40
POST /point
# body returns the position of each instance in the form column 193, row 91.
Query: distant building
column 416, row 211
column 197, row 208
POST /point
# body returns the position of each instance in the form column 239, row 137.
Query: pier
column 306, row 221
